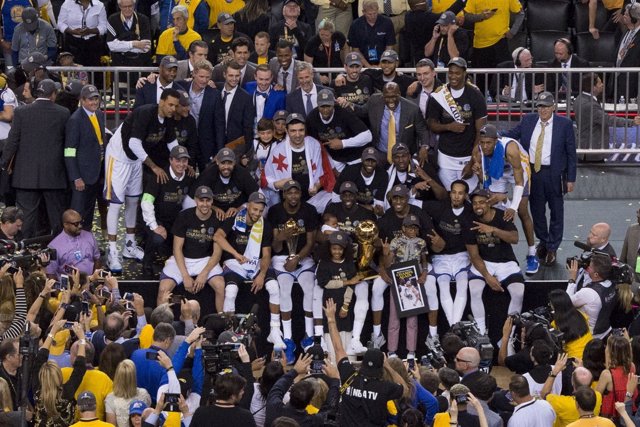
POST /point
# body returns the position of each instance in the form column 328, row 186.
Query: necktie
column 391, row 136
column 565, row 76
column 309, row 105
column 285, row 74
column 224, row 97
column 262, row 94
column 538, row 155
column 96, row 127
column 386, row 7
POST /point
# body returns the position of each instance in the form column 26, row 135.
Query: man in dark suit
column 36, row 139
column 552, row 153
column 565, row 58
column 304, row 98
column 283, row 66
column 410, row 127
column 593, row 122
column 207, row 109
column 238, row 108
column 629, row 51
column 520, row 86
column 630, row 245
column 84, row 154
column 239, row 52
column 266, row 99
column 150, row 92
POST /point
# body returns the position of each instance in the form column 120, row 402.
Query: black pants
column 84, row 202
column 154, row 244
column 29, row 201
column 490, row 57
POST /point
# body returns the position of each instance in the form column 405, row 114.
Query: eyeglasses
column 76, row 224
column 461, row 361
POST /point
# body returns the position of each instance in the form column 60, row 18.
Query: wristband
column 83, row 342
column 170, row 368
column 552, row 375
column 51, row 336
column 42, row 296
column 628, row 395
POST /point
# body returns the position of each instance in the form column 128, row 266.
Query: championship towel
column 252, row 252
column 492, row 167
column 443, row 96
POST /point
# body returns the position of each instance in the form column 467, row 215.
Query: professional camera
column 471, row 337
column 219, row 357
column 537, row 325
column 434, row 356
column 620, row 272
column 25, row 252
column 540, row 315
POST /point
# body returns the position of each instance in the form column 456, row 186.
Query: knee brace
column 230, row 294
column 432, row 292
column 130, row 210
column 113, row 212
column 274, row 291
column 362, row 301
column 377, row 294
column 285, row 282
column 306, row 280
column 318, row 293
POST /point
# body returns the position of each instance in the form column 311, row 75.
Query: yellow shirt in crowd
column 566, row 410
column 95, row 381
column 490, row 31
column 165, row 42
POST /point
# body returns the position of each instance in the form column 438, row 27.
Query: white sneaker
column 356, row 348
column 131, row 250
column 275, row 338
column 113, row 262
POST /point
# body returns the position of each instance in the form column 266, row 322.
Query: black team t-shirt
column 448, row 225
column 348, row 220
column 343, row 125
column 472, row 106
column 330, row 270
column 300, row 171
column 228, row 193
column 357, row 92
column 168, row 197
column 390, row 224
column 366, row 192
column 306, row 218
column 491, row 247
column 364, row 402
column 197, row 233
column 144, row 124
column 239, row 240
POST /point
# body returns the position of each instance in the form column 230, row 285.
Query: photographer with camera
column 301, row 394
column 597, row 298
column 229, row 390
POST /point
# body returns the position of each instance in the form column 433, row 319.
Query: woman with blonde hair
column 125, row 391
column 7, row 415
column 55, row 401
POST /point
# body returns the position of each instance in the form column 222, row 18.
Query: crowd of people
column 244, row 169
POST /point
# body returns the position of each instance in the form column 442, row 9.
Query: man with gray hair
column 129, row 36
column 86, row 407
column 305, row 98
column 176, row 41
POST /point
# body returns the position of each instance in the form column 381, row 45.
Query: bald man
column 76, row 247
column 467, row 364
column 598, row 238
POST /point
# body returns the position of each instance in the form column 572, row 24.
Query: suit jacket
column 147, row 94
column 274, row 66
column 296, row 102
column 83, row 152
column 275, row 101
column 555, row 81
column 563, row 143
column 413, row 128
column 507, row 79
column 183, row 70
column 629, row 253
column 631, row 59
column 240, row 117
column 249, row 74
column 210, row 123
column 36, row 139
column 431, row 137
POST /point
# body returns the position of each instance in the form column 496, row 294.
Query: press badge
column 77, row 255
column 373, row 54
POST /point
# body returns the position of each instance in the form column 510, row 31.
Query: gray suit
column 593, row 125
column 412, row 126
column 274, row 66
column 36, row 139
column 629, row 252
column 183, row 70
column 249, row 74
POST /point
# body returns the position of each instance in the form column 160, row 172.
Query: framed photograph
column 409, row 296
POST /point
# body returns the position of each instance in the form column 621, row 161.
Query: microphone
column 251, row 317
column 578, row 244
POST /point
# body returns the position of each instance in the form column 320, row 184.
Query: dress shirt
column 229, row 100
column 397, row 7
column 314, row 97
column 384, row 127
column 424, row 100
column 546, row 148
column 289, row 84
column 534, row 413
column 259, row 101
column 160, row 89
column 624, row 44
column 518, row 85
column 196, row 102
column 73, row 16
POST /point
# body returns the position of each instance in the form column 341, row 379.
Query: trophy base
column 368, row 274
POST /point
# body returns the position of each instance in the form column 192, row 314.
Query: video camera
column 219, row 357
column 434, row 357
column 25, row 252
column 471, row 337
column 538, row 319
column 620, row 272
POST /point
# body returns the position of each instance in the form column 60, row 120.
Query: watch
column 628, row 395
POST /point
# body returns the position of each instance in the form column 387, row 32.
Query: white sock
column 532, row 250
column 318, row 330
column 411, row 355
column 113, row 246
column 129, row 237
column 308, row 326
column 112, row 218
column 357, row 329
column 377, row 329
column 433, row 331
column 275, row 318
column 286, row 329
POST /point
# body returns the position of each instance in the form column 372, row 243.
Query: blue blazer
column 210, row 123
column 240, row 117
column 275, row 101
column 147, row 94
column 294, row 100
column 82, row 150
column 563, row 143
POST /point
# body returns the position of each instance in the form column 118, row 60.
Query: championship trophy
column 366, row 234
column 291, row 227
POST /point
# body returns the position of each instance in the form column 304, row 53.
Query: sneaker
column 432, row 341
column 306, row 343
column 533, row 264
column 290, row 351
column 391, row 355
column 131, row 250
column 275, row 338
column 356, row 348
column 378, row 341
column 114, row 263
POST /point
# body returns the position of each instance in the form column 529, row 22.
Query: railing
column 503, row 111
